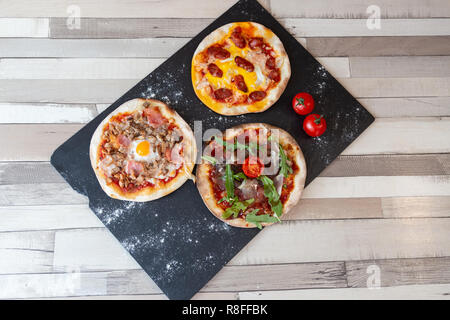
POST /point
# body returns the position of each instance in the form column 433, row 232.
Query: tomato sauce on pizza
column 241, row 67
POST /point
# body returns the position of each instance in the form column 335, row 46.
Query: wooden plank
column 128, row 28
column 390, row 186
column 400, row 67
column 379, row 46
column 325, row 240
column 24, row 27
column 28, row 173
column 270, row 277
column 415, row 292
column 24, row 252
column 400, row 272
column 303, row 241
column 107, row 91
column 415, row 207
column 407, row 107
column 62, row 91
column 47, row 217
column 358, row 9
column 117, row 28
column 46, row 113
column 90, row 48
column 403, row 135
column 358, row 27
column 397, row 87
column 117, row 8
column 39, row 194
column 370, row 208
column 388, row 165
column 198, row 296
column 18, row 141
column 79, row 249
column 88, row 68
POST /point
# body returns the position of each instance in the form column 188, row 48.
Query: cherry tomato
column 252, row 167
column 314, row 125
column 303, row 103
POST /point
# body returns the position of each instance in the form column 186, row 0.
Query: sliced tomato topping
column 252, row 167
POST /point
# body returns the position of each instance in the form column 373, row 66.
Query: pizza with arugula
column 252, row 175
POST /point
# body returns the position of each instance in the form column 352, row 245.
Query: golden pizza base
column 249, row 77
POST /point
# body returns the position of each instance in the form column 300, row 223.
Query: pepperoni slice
column 274, row 75
column 218, row 52
column 240, row 83
column 270, row 63
column 237, row 38
column 257, row 95
column 244, row 64
column 215, row 70
column 222, row 93
column 255, row 43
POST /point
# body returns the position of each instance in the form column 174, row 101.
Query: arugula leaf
column 236, row 145
column 227, row 145
column 272, row 195
column 253, row 218
column 237, row 207
column 285, row 168
column 239, row 176
column 210, row 159
column 229, row 182
column 222, row 200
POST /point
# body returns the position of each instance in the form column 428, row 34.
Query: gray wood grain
column 128, row 28
column 399, row 67
column 42, row 194
column 407, row 107
column 26, row 252
column 379, row 46
column 62, row 91
column 400, row 272
column 358, row 9
column 90, row 48
column 388, row 165
column 412, row 292
column 162, row 27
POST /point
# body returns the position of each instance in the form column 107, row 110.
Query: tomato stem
column 300, row 101
column 317, row 120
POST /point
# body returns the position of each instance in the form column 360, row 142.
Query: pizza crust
column 206, row 191
column 160, row 189
column 273, row 95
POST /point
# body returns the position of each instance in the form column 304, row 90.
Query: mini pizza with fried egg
column 241, row 67
column 142, row 151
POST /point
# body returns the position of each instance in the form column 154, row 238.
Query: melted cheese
column 255, row 80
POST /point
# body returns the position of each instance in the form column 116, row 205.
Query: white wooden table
column 381, row 211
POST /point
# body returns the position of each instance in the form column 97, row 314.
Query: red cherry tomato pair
column 314, row 124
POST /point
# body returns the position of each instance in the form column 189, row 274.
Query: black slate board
column 176, row 240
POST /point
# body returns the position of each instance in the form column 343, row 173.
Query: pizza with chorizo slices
column 252, row 175
column 142, row 151
column 241, row 67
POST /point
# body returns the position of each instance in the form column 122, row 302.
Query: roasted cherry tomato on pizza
column 314, row 125
column 303, row 103
column 252, row 167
